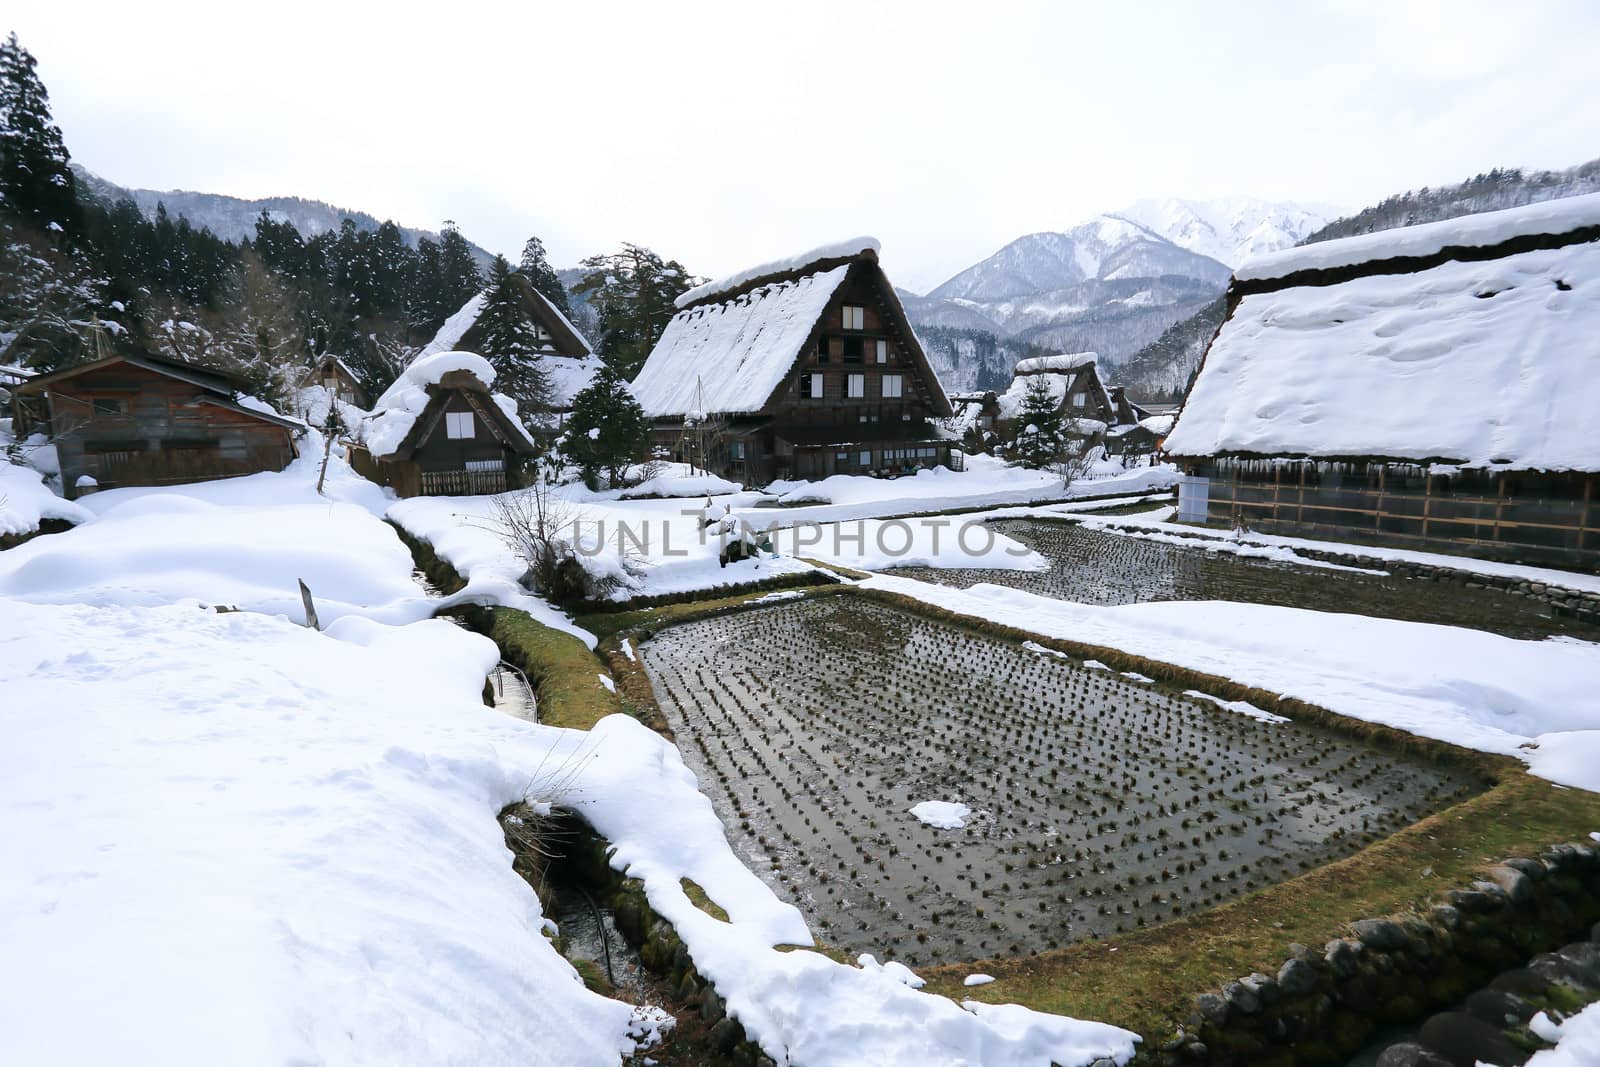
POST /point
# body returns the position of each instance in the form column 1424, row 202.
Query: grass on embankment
column 1146, row 981
column 564, row 673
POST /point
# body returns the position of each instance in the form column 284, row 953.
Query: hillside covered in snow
column 1111, row 284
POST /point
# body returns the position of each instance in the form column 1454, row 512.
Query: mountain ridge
column 233, row 218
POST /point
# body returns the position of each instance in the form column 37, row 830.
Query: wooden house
column 1432, row 387
column 335, row 375
column 568, row 359
column 440, row 431
column 150, row 420
column 801, row 368
column 1073, row 378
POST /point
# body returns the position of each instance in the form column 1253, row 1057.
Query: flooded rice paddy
column 1098, row 803
column 1097, row 567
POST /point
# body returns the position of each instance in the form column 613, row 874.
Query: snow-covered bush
column 544, row 530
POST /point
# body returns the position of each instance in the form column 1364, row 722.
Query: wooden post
column 311, row 608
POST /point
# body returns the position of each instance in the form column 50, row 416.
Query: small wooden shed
column 150, row 420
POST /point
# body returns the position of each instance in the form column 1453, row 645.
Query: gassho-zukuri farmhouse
column 1435, row 387
column 799, row 368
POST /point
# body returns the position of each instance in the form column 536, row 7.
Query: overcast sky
column 725, row 135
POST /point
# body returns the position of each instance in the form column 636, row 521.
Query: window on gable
column 1079, row 399
column 110, row 406
column 853, row 347
column 812, row 387
column 892, row 386
column 857, row 387
column 822, row 350
column 883, row 351
column 458, row 425
column 855, row 318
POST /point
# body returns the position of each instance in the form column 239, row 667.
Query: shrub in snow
column 544, row 531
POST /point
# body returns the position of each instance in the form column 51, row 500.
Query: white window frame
column 854, row 317
column 819, row 387
column 1079, row 400
column 855, row 387
column 485, row 466
column 893, row 387
column 460, row 426
column 883, row 351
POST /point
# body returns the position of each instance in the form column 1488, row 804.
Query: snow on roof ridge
column 1059, row 361
column 455, row 327
column 588, row 349
column 1485, row 228
column 729, row 357
column 835, row 250
column 397, row 409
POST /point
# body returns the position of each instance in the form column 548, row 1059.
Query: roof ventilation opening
column 1563, row 286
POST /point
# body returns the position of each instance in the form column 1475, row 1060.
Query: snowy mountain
column 1229, row 230
column 1112, row 284
column 233, row 218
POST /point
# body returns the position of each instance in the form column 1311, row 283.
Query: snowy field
column 288, row 838
column 670, row 526
column 25, row 499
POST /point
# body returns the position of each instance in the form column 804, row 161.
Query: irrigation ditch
column 1162, row 979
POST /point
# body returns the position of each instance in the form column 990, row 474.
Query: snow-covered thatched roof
column 396, row 412
column 735, row 341
column 1058, row 373
column 571, row 364
column 787, row 265
column 1480, row 231
column 729, row 357
column 1062, row 361
column 1488, row 362
column 448, row 337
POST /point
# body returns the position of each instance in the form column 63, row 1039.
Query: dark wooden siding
column 125, row 425
column 1549, row 519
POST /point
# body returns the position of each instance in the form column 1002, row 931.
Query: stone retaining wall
column 1322, row 1005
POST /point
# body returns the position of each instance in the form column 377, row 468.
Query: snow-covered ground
column 244, row 840
column 676, row 550
column 287, row 838
column 986, row 483
column 1577, row 1041
column 25, row 498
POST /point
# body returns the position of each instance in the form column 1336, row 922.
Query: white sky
column 729, row 134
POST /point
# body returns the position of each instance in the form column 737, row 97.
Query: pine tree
column 1039, row 441
column 50, row 300
column 607, row 429
column 510, row 344
column 537, row 269
column 633, row 293
column 36, row 184
column 459, row 278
